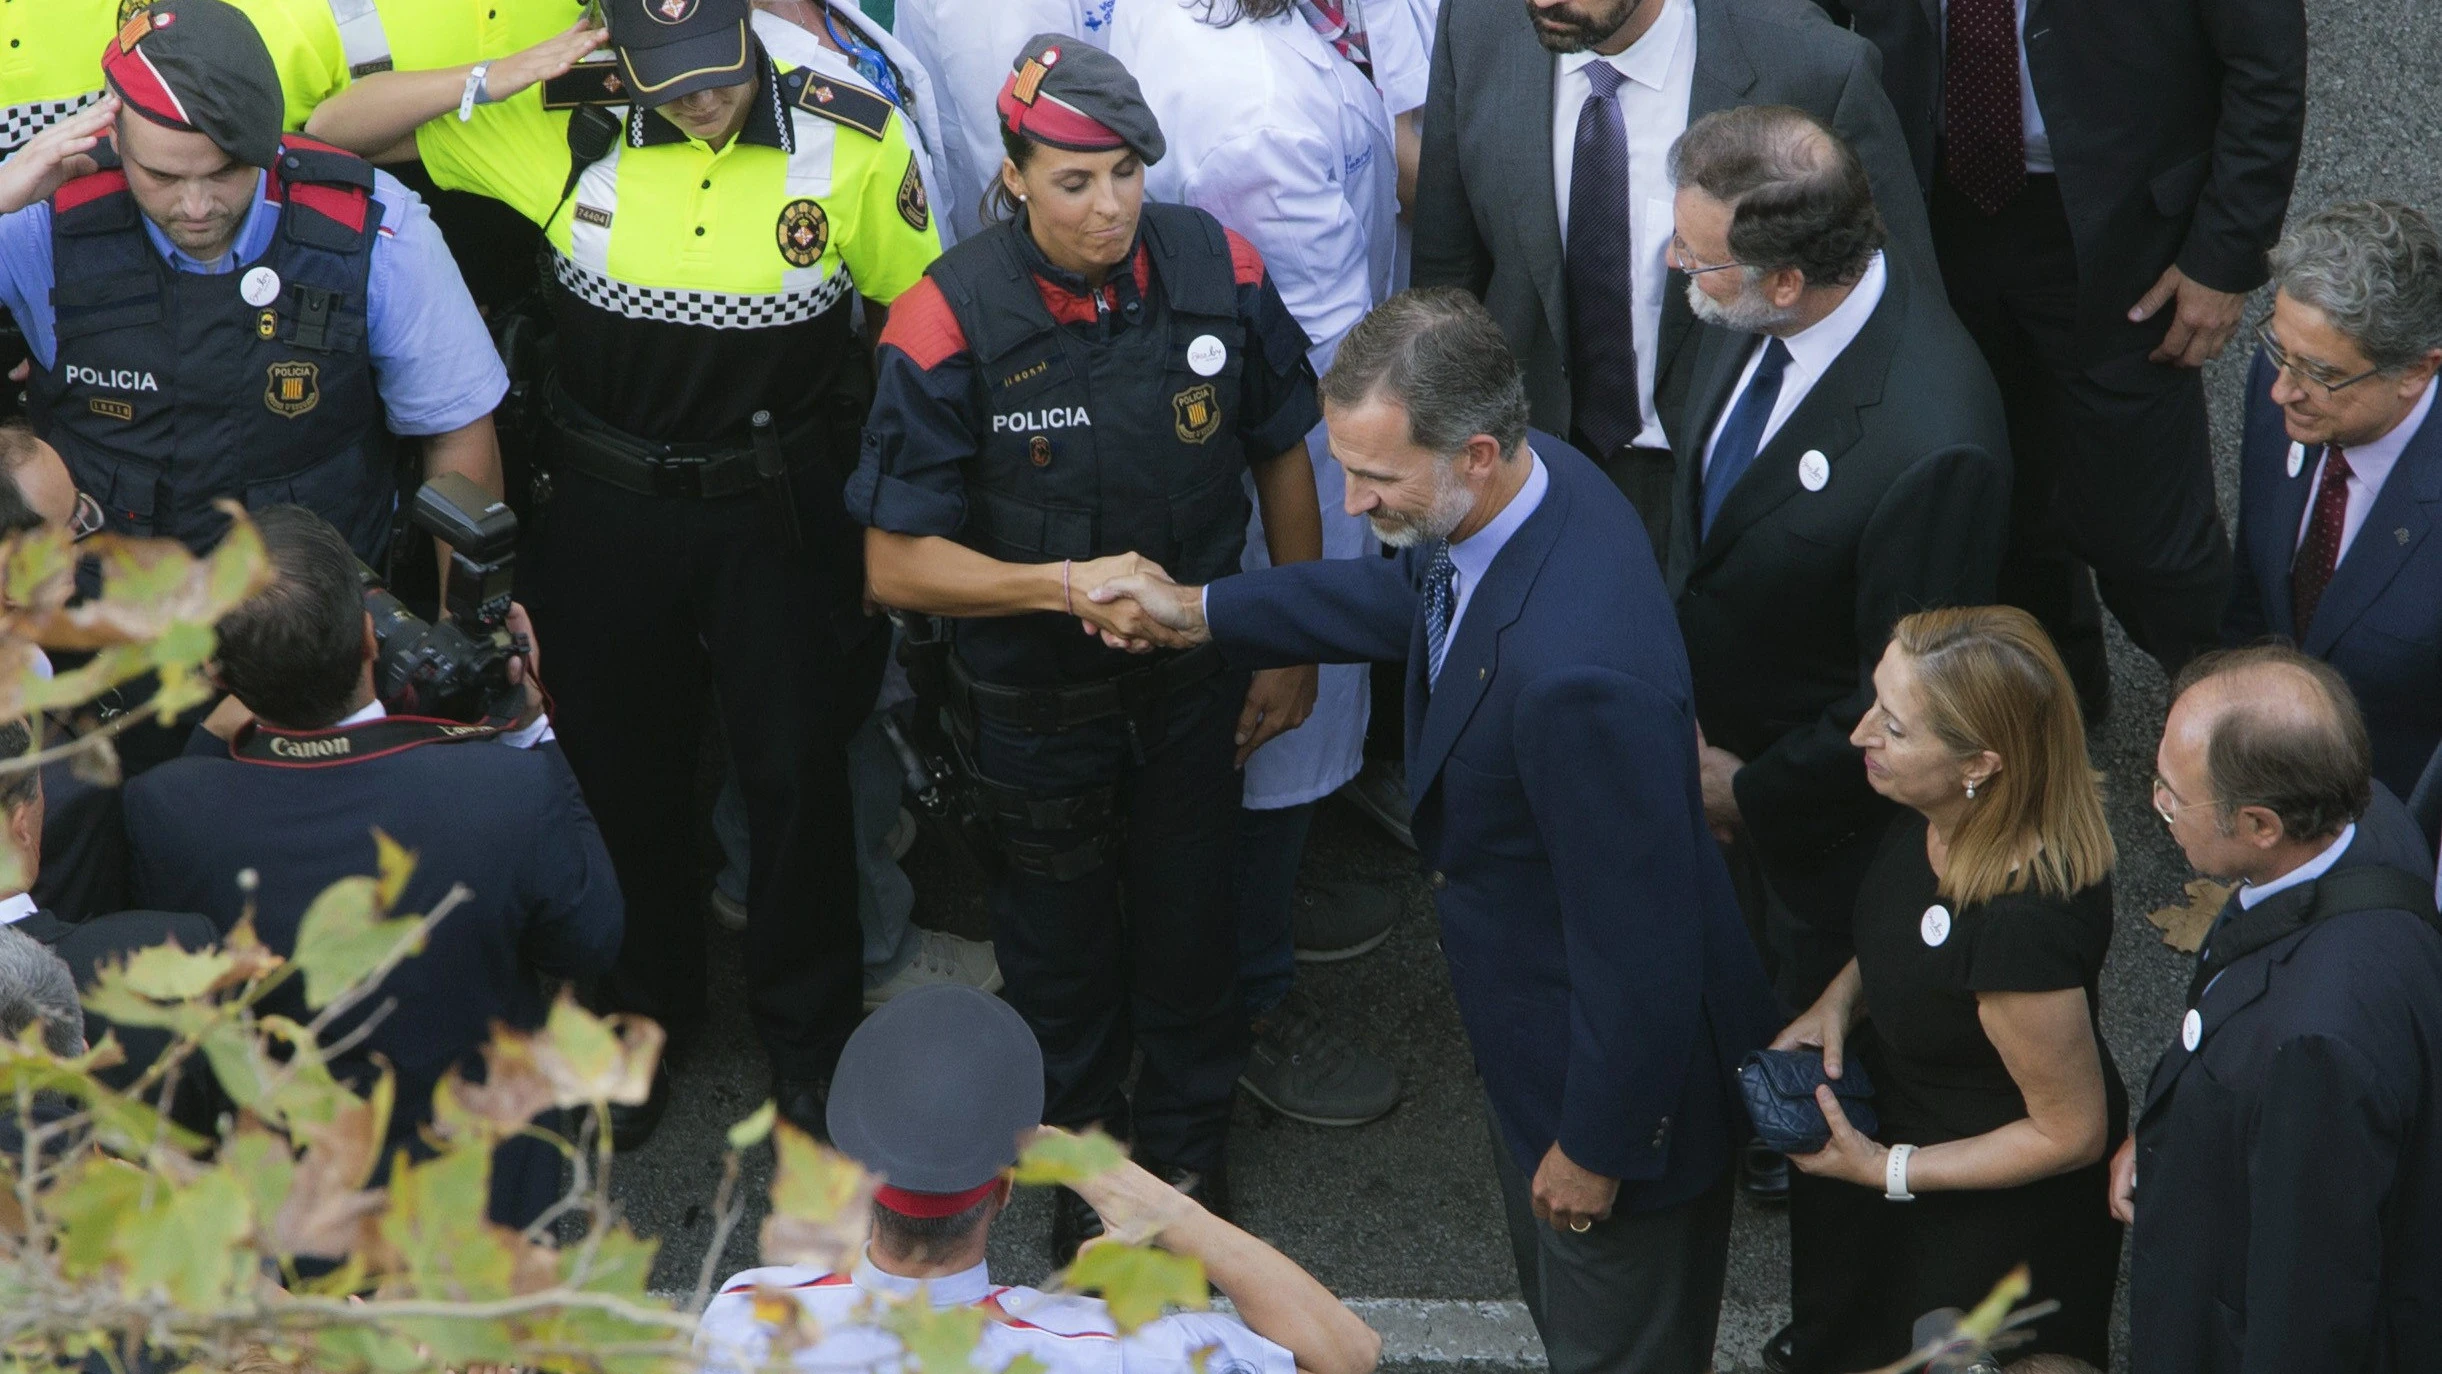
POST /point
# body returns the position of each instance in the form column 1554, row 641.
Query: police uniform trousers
column 641, row 603
column 1141, row 953
column 2113, row 466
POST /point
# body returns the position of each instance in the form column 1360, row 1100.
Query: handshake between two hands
column 1133, row 604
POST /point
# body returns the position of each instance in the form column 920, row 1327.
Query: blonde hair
column 1991, row 680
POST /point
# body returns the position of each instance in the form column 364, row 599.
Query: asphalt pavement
column 1402, row 1214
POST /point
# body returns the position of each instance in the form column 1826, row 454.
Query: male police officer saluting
column 708, row 395
column 217, row 311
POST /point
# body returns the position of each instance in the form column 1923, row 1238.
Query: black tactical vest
column 170, row 390
column 1098, row 447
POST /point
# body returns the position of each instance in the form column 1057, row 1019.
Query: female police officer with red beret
column 1088, row 382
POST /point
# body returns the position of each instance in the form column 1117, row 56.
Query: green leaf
column 167, row 973
column 262, row 1165
column 394, row 863
column 344, row 936
column 112, row 998
column 622, row 1264
column 435, row 1221
column 190, row 1243
column 185, row 642
column 1060, row 1157
column 939, row 1340
column 341, row 1349
column 821, row 1203
column 89, row 1206
column 1138, row 1281
column 751, row 1132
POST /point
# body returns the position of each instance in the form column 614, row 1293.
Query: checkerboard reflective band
column 19, row 123
column 716, row 309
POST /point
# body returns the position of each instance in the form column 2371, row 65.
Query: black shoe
column 1763, row 1174
column 1336, row 918
column 805, row 1103
column 632, row 1126
column 1073, row 1223
column 1780, row 1355
column 1306, row 1071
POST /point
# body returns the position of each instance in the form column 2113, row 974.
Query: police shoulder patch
column 803, row 232
column 587, row 83
column 912, row 205
column 1196, row 413
column 292, row 389
column 841, row 103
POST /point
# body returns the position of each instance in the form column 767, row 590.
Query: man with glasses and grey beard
column 2340, row 471
column 1841, row 462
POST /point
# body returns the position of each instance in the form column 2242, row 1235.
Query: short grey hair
column 36, row 986
column 1438, row 353
column 2374, row 268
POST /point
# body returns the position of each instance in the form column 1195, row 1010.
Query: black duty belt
column 648, row 468
column 1050, row 710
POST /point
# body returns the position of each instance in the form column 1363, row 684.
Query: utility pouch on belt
column 772, row 469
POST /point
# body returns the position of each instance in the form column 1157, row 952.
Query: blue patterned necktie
column 1734, row 451
column 1599, row 262
column 1440, row 603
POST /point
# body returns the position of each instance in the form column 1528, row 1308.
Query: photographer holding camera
column 318, row 763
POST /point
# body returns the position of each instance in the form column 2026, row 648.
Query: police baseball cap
column 934, row 1093
column 1070, row 94
column 199, row 67
column 672, row 48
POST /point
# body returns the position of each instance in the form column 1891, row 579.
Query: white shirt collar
column 2307, row 872
column 2368, row 460
column 371, row 710
column 1817, row 345
column 948, row 1290
column 17, row 908
column 1473, row 555
column 1647, row 60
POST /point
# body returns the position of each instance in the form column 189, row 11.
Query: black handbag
column 1779, row 1089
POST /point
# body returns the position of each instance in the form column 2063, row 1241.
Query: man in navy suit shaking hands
column 1601, row 967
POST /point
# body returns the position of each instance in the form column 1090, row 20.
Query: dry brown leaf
column 2184, row 924
column 329, row 1213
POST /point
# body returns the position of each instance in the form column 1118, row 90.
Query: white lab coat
column 1280, row 138
column 784, row 40
column 969, row 46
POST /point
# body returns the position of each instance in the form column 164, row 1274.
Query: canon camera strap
column 374, row 739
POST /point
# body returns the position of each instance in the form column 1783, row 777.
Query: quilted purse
column 1779, row 1089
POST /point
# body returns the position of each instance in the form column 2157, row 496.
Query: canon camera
column 457, row 669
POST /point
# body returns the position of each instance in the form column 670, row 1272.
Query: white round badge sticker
column 1936, row 925
column 1814, row 470
column 260, row 286
column 2192, row 1030
column 1206, row 355
column 2297, row 459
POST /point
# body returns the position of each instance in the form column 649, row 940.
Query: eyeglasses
column 88, row 519
column 2304, row 373
column 2170, row 814
column 1688, row 263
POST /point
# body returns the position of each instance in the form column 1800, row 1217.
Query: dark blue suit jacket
column 1607, row 983
column 508, row 823
column 2288, row 1199
column 2380, row 623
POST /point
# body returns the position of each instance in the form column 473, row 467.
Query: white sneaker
column 940, row 958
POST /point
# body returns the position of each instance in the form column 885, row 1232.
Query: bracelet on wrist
column 1895, row 1174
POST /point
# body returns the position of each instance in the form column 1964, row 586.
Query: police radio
column 457, row 669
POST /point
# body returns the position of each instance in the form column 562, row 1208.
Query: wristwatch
column 475, row 94
column 1895, row 1174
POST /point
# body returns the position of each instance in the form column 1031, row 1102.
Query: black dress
column 1863, row 1269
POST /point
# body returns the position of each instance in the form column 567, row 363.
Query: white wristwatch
column 475, row 94
column 1895, row 1174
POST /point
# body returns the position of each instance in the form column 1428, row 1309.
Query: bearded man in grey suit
column 1545, row 189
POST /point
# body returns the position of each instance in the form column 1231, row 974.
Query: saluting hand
column 55, row 156
column 545, row 60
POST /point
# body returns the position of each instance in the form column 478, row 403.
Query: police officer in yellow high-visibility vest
column 707, row 403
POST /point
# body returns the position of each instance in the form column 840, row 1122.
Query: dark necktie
column 1440, row 603
column 1734, row 451
column 2319, row 553
column 1601, row 258
column 1984, row 136
column 1330, row 19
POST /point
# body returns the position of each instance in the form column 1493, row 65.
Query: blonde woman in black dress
column 1980, row 934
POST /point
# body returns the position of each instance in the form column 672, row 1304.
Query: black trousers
column 2113, row 463
column 1636, row 1293
column 640, row 605
column 1142, row 952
